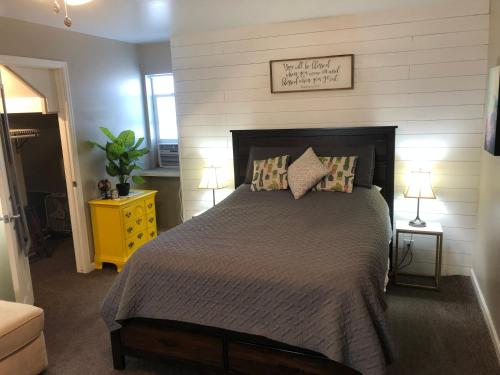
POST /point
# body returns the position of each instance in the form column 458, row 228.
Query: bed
column 263, row 283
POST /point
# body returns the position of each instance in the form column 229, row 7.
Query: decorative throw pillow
column 365, row 165
column 267, row 152
column 270, row 174
column 341, row 176
column 305, row 172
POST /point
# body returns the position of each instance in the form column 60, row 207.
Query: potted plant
column 122, row 154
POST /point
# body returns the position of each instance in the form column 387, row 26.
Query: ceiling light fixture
column 77, row 2
column 56, row 7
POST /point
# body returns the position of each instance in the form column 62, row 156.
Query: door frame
column 18, row 261
column 67, row 131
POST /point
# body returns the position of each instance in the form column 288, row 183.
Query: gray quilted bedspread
column 307, row 272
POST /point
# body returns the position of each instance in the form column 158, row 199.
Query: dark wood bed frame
column 215, row 350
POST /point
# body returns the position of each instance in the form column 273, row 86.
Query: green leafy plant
column 123, row 154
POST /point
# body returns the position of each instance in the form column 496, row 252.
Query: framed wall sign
column 492, row 135
column 312, row 73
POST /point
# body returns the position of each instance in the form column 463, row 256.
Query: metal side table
column 432, row 229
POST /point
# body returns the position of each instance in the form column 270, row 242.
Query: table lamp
column 419, row 187
column 211, row 180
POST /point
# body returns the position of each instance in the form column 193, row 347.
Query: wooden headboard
column 380, row 136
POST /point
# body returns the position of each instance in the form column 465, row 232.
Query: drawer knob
column 151, row 220
column 131, row 244
column 128, row 214
column 130, row 229
column 139, row 221
column 150, row 205
column 139, row 236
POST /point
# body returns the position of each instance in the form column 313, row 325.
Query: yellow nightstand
column 122, row 226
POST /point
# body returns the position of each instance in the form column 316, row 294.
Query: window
column 162, row 97
column 162, row 117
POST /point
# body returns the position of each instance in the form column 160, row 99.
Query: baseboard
column 90, row 268
column 486, row 314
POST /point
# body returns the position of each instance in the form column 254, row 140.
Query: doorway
column 42, row 183
column 51, row 199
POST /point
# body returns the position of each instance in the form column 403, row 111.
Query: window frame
column 153, row 119
column 154, row 107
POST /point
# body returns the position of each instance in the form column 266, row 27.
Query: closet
column 36, row 141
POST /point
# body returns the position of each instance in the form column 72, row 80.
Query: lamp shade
column 211, row 178
column 420, row 186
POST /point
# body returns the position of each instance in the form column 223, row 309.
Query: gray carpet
column 436, row 332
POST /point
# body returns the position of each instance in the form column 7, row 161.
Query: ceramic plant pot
column 123, row 189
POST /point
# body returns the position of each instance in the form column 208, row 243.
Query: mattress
column 307, row 272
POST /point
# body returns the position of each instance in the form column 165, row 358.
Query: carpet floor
column 436, row 332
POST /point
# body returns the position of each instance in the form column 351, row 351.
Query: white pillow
column 305, row 172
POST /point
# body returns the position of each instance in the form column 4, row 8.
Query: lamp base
column 417, row 222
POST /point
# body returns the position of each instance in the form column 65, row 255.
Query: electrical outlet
column 407, row 243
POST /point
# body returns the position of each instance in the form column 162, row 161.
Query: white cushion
column 305, row 172
column 20, row 324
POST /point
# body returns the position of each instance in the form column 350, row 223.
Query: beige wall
column 104, row 80
column 154, row 58
column 44, row 81
column 168, row 205
column 487, row 260
column 422, row 69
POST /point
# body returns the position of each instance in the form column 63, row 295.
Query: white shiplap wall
column 421, row 69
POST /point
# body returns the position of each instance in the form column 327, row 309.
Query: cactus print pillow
column 270, row 174
column 341, row 176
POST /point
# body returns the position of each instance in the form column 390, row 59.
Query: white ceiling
column 135, row 21
column 143, row 21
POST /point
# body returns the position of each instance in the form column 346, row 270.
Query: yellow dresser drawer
column 151, row 220
column 131, row 246
column 151, row 232
column 136, row 241
column 134, row 211
column 122, row 226
column 150, row 205
column 141, row 221
column 135, row 225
